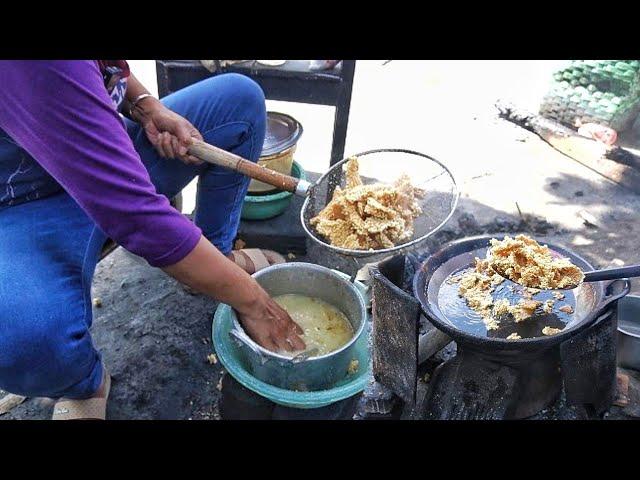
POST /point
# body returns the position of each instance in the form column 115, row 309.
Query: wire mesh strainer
column 376, row 166
column 385, row 166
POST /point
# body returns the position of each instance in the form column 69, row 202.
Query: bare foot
column 252, row 260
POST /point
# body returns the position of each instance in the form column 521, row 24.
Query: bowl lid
column 283, row 132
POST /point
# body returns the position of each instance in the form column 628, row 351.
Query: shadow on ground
column 608, row 226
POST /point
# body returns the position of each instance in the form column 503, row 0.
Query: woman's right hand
column 270, row 325
column 207, row 270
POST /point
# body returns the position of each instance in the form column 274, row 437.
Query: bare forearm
column 134, row 89
column 207, row 270
column 210, row 272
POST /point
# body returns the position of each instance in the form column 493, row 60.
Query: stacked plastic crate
column 599, row 91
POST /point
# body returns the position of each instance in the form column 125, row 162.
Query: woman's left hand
column 170, row 133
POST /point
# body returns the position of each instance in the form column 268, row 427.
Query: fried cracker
column 366, row 217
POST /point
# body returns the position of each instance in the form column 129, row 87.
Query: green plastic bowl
column 263, row 207
column 230, row 358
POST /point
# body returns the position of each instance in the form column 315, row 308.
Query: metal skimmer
column 376, row 166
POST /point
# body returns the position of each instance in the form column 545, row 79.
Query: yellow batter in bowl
column 325, row 327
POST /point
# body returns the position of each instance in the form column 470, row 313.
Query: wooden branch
column 614, row 163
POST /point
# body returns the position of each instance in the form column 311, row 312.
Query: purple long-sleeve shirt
column 61, row 114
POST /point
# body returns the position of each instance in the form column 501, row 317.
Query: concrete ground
column 155, row 336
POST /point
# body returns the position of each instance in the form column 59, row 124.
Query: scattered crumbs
column 514, row 336
column 501, row 307
column 212, row 359
column 219, row 385
column 533, row 291
column 551, row 331
column 475, row 286
column 492, row 323
column 353, row 367
column 526, row 294
column 239, row 244
column 453, row 280
column 566, row 309
column 97, row 302
column 290, row 256
column 548, row 306
column 205, row 340
column 426, row 377
column 558, row 295
column 524, row 309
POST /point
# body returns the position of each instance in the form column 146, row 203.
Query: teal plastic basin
column 263, row 207
column 230, row 358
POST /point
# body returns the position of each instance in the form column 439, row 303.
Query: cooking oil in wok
column 456, row 310
column 325, row 327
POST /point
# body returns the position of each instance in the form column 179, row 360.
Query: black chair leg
column 341, row 119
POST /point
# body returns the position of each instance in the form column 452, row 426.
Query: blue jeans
column 49, row 247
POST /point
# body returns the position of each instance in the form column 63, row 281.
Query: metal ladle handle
column 222, row 158
column 612, row 273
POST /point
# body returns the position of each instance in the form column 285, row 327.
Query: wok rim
column 420, row 286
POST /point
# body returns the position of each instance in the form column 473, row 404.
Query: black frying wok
column 589, row 299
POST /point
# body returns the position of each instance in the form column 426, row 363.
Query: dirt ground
column 155, row 336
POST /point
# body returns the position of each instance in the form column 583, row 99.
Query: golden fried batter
column 524, row 309
column 566, row 309
column 514, row 336
column 476, row 287
column 525, row 261
column 501, row 307
column 491, row 323
column 551, row 331
column 369, row 217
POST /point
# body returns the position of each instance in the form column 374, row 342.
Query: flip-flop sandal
column 88, row 409
column 247, row 258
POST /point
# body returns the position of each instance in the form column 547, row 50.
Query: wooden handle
column 217, row 156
